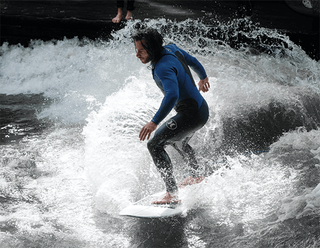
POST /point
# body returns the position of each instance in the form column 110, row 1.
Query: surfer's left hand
column 147, row 130
column 204, row 85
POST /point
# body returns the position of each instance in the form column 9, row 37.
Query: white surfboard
column 145, row 209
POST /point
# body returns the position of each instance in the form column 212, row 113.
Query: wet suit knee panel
column 163, row 163
column 159, row 155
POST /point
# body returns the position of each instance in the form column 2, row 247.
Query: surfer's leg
column 191, row 156
column 194, row 176
column 179, row 128
column 188, row 154
column 197, row 122
column 163, row 163
column 172, row 134
column 161, row 158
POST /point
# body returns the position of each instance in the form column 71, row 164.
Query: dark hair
column 152, row 42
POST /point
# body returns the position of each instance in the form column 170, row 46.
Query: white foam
column 102, row 86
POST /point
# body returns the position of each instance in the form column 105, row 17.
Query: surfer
column 170, row 70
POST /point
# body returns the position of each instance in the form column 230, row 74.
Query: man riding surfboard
column 170, row 70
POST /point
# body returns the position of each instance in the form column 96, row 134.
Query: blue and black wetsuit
column 172, row 75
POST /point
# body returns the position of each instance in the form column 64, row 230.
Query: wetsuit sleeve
column 167, row 77
column 194, row 64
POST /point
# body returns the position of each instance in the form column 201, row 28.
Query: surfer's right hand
column 147, row 130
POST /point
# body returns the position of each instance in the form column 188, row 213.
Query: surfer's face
column 142, row 53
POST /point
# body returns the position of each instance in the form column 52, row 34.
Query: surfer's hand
column 204, row 85
column 147, row 130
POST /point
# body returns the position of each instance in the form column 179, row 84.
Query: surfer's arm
column 171, row 95
column 168, row 79
column 195, row 65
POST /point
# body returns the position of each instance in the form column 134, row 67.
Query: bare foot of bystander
column 118, row 18
column 128, row 16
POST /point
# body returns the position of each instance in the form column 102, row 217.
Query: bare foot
column 128, row 16
column 118, row 18
column 168, row 199
column 189, row 180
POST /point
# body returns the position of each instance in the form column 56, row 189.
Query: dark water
column 71, row 159
column 19, row 116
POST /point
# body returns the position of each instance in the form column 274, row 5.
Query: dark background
column 22, row 21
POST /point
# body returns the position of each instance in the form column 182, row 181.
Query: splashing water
column 63, row 184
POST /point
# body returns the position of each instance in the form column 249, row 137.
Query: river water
column 71, row 111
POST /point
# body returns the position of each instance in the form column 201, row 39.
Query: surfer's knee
column 151, row 145
column 154, row 145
